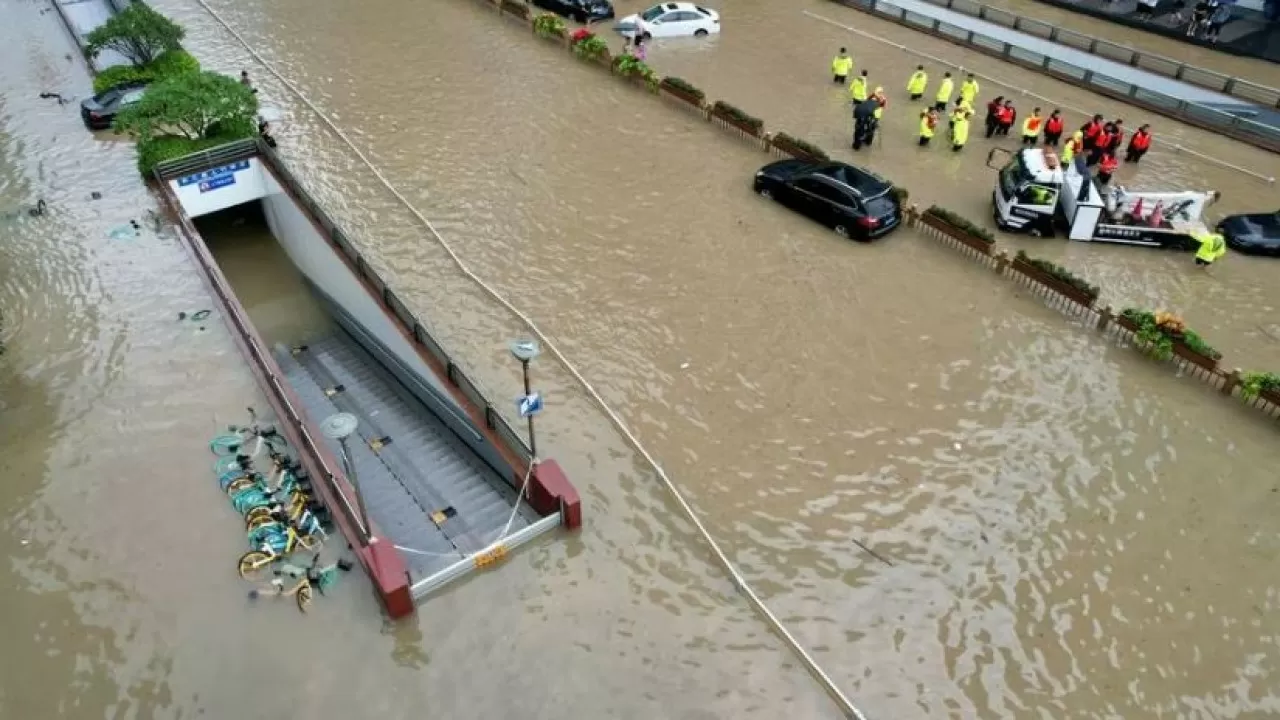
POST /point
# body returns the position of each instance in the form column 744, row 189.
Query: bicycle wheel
column 255, row 565
column 258, row 517
column 226, row 464
column 238, row 485
column 226, row 444
column 303, row 597
column 310, row 541
column 227, row 478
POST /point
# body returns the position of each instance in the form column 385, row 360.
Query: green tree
column 138, row 33
column 193, row 106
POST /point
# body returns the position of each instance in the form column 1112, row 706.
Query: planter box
column 956, row 233
column 517, row 9
column 1066, row 290
column 792, row 150
column 1126, row 323
column 1271, row 396
column 1193, row 357
column 736, row 123
column 680, row 95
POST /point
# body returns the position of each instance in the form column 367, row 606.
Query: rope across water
column 846, row 705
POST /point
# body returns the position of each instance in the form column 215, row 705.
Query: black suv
column 856, row 203
column 99, row 111
column 584, row 11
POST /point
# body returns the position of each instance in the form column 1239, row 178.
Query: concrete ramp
column 427, row 491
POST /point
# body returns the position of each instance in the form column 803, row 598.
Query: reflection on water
column 1071, row 531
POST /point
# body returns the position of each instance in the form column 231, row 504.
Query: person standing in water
column 943, row 98
column 960, row 131
column 858, row 91
column 969, row 90
column 918, row 83
column 841, row 66
column 928, row 124
column 1053, row 128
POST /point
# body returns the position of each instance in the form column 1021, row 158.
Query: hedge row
column 1057, row 272
column 169, row 64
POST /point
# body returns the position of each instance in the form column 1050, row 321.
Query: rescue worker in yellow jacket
column 943, row 98
column 1073, row 147
column 960, row 130
column 1212, row 247
column 841, row 66
column 918, row 82
column 969, row 91
column 858, row 90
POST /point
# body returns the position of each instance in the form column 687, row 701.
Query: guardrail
column 1249, row 131
column 1263, row 95
column 204, row 159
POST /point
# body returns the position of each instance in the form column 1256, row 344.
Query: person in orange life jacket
column 1106, row 168
column 1031, row 128
column 1091, row 130
column 993, row 113
column 928, row 124
column 1006, row 117
column 1053, row 128
column 1117, row 136
column 1101, row 143
column 1138, row 144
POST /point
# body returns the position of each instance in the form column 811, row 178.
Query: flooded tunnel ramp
column 426, row 490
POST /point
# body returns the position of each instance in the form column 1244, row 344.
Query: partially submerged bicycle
column 262, row 435
column 314, row 576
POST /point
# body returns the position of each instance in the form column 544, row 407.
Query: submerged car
column 1252, row 234
column 99, row 111
column 856, row 203
column 671, row 19
column 584, row 11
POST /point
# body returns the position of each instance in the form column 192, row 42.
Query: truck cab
column 1027, row 191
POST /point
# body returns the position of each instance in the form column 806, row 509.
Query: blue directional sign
column 211, row 173
column 530, row 404
column 220, row 181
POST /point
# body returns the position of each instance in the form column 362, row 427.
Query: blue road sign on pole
column 530, row 404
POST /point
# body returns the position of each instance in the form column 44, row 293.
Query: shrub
column 549, row 26
column 589, row 47
column 632, row 66
column 157, row 149
column 1159, row 331
column 173, row 62
column 684, row 87
column 1253, row 383
column 801, row 145
column 724, row 109
column 193, row 105
column 1057, row 272
column 961, row 223
column 138, row 33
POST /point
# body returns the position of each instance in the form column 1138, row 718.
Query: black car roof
column 864, row 181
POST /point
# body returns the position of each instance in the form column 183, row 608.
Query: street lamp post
column 340, row 426
column 525, row 351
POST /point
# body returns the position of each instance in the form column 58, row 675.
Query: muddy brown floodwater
column 1073, row 532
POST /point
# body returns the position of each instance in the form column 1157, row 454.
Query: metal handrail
column 276, row 387
column 1179, row 70
column 204, row 159
column 513, row 442
column 462, row 567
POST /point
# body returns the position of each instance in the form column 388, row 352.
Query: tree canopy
column 138, row 33
column 192, row 106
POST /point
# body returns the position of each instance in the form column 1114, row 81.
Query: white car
column 671, row 19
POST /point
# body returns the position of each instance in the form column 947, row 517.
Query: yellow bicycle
column 254, row 564
column 301, row 591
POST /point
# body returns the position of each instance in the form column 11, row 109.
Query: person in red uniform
column 1101, row 144
column 993, row 114
column 1117, row 136
column 1091, row 130
column 1053, row 128
column 1138, row 144
column 1006, row 116
column 1106, row 168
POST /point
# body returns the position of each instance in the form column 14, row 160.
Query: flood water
column 1072, row 530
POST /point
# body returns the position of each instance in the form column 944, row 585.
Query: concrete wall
column 221, row 187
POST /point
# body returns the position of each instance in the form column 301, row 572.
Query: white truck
column 1036, row 194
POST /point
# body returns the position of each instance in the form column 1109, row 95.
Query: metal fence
column 1263, row 95
column 1255, row 133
